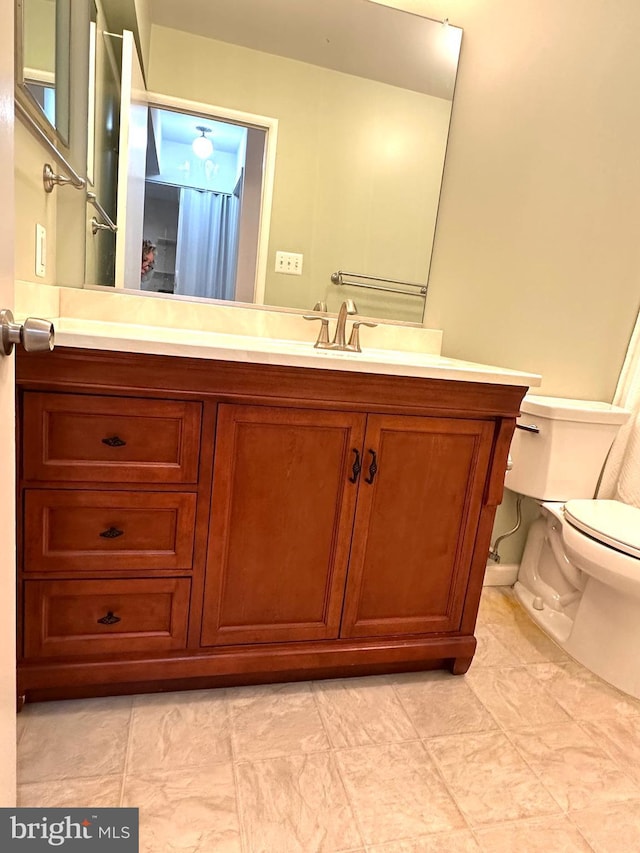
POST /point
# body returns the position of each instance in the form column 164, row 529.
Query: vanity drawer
column 105, row 617
column 107, row 531
column 73, row 437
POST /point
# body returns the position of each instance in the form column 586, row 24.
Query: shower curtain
column 621, row 476
column 207, row 245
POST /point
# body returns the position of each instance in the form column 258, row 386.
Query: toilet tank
column 564, row 457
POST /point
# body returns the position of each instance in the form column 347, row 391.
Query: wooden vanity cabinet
column 240, row 523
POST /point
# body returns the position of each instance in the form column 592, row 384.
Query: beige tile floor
column 528, row 752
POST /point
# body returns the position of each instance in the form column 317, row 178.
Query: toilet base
column 556, row 625
column 606, row 636
column 597, row 624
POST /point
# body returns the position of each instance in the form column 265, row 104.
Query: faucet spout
column 340, row 337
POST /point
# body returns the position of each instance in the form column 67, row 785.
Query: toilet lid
column 611, row 522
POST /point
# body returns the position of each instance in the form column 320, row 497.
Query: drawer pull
column 357, row 466
column 373, row 467
column 114, row 441
column 112, row 533
column 109, row 619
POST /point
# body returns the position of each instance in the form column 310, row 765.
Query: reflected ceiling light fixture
column 202, row 145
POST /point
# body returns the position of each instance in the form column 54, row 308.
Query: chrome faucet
column 323, row 334
column 354, row 339
column 339, row 341
column 340, row 337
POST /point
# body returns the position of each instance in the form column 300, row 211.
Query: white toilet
column 579, row 578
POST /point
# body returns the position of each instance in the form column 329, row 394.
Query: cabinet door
column 282, row 513
column 415, row 524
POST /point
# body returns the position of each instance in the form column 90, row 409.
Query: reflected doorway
column 203, row 196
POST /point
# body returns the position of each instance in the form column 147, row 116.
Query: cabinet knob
column 114, row 441
column 112, row 533
column 109, row 619
column 373, row 467
column 356, row 468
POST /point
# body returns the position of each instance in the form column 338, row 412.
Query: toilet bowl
column 579, row 578
column 602, row 539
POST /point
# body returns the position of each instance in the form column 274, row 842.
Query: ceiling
column 352, row 36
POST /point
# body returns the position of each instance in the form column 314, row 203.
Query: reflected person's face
column 147, row 262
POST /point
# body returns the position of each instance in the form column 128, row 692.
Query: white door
column 7, row 428
column 132, row 162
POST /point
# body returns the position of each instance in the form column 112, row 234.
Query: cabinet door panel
column 282, row 512
column 415, row 525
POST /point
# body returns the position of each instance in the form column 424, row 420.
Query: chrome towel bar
column 339, row 279
column 107, row 223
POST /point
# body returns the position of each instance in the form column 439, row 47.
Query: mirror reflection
column 197, row 205
column 360, row 146
column 267, row 164
column 42, row 72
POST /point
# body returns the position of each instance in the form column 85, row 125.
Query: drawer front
column 108, row 531
column 105, row 617
column 74, row 438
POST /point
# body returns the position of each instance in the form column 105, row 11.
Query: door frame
column 156, row 100
column 7, row 425
column 132, row 154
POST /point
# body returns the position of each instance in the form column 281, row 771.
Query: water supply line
column 493, row 553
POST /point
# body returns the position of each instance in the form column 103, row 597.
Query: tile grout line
column 581, row 833
column 127, row 754
column 334, row 758
column 435, row 763
column 621, row 770
column 507, row 734
column 448, row 788
column 501, row 726
column 235, row 770
column 405, row 710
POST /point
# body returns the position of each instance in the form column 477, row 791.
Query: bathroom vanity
column 189, row 521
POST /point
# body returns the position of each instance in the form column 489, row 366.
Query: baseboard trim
column 500, row 574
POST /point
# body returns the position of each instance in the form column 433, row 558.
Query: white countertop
column 159, row 340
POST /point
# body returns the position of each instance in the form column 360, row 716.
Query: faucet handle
column 323, row 334
column 354, row 339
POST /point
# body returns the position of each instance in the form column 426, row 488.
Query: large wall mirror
column 361, row 95
column 310, row 135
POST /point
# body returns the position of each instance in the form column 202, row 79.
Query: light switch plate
column 289, row 263
column 41, row 250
